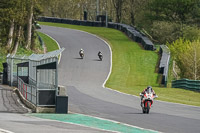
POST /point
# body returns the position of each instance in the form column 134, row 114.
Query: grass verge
column 50, row 44
column 134, row 68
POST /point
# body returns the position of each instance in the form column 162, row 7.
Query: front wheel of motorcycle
column 148, row 107
column 143, row 110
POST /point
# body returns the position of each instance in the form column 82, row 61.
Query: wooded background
column 171, row 22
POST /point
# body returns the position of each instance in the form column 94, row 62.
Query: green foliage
column 130, row 73
column 129, row 60
column 22, row 51
column 187, row 57
column 165, row 32
column 2, row 57
column 164, row 20
column 191, row 33
column 173, row 10
column 50, row 44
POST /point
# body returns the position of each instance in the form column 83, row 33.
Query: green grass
column 134, row 68
column 50, row 44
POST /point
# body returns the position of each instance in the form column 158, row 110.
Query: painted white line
column 5, row 131
column 57, row 44
column 110, row 55
column 71, row 124
column 107, row 80
column 117, row 122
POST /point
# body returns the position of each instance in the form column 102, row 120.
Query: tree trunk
column 14, row 51
column 118, row 8
column 10, row 36
column 29, row 26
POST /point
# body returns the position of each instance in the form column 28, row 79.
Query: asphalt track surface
column 14, row 118
column 84, row 79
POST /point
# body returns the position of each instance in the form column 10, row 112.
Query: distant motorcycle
column 147, row 101
column 100, row 56
column 81, row 53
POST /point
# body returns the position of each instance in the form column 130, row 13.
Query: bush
column 165, row 32
column 191, row 33
column 187, row 57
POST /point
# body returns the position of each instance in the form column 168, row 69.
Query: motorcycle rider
column 99, row 53
column 81, row 52
column 146, row 89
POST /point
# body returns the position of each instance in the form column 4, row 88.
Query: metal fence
column 12, row 61
column 36, row 76
column 29, row 92
column 164, row 63
column 186, row 84
column 130, row 31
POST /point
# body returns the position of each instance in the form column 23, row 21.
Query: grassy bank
column 134, row 68
column 49, row 43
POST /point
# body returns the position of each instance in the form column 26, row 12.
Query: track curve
column 84, row 78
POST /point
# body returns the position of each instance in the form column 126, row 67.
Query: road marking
column 5, row 131
column 111, row 71
column 57, row 44
column 94, row 122
column 36, row 117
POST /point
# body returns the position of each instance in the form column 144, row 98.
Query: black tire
column 148, row 108
column 81, row 55
column 143, row 110
column 100, row 57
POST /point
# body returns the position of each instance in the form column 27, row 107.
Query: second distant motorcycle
column 81, row 53
column 100, row 56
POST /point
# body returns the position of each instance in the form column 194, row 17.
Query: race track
column 84, row 79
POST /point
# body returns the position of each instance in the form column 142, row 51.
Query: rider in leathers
column 146, row 89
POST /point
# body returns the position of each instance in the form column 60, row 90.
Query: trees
column 187, row 57
column 118, row 4
column 179, row 11
column 16, row 23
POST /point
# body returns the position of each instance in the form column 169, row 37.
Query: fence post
column 31, row 94
column 26, row 92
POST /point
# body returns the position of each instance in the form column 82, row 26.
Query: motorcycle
column 81, row 54
column 100, row 56
column 147, row 101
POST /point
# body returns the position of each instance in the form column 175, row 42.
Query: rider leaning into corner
column 99, row 53
column 81, row 51
column 146, row 89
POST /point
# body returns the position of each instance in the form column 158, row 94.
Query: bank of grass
column 50, row 44
column 134, row 68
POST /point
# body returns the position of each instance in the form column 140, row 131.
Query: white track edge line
column 111, row 70
column 57, row 45
column 117, row 122
column 5, row 131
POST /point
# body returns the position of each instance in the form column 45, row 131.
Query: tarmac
column 14, row 118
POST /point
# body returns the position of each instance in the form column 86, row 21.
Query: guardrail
column 130, row 31
column 164, row 63
column 29, row 92
column 186, row 84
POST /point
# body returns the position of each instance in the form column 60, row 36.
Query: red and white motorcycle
column 147, row 100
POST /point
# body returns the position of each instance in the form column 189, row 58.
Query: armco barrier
column 186, row 84
column 131, row 32
column 164, row 63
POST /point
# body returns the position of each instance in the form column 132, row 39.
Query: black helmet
column 149, row 87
